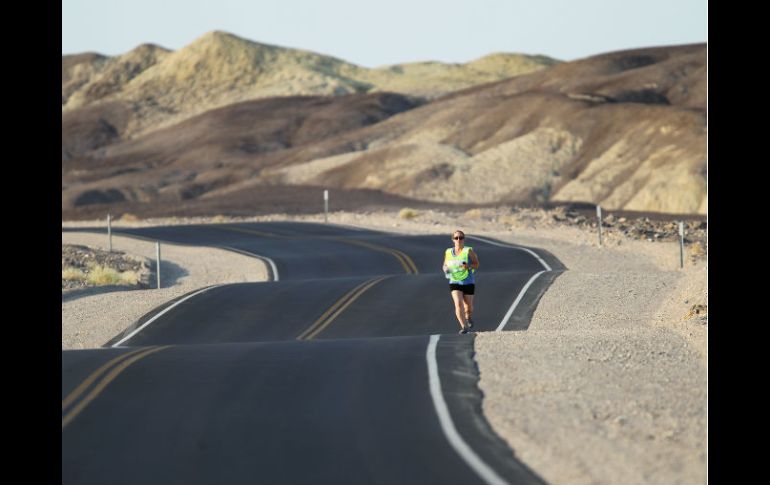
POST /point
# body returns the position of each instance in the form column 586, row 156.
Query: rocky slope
column 164, row 87
column 626, row 130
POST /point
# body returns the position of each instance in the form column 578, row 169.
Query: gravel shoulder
column 609, row 383
column 92, row 318
column 608, row 359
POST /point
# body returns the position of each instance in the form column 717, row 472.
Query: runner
column 460, row 265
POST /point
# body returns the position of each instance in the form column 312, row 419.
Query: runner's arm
column 474, row 259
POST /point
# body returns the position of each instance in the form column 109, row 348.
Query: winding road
column 344, row 368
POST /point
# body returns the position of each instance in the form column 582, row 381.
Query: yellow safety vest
column 455, row 264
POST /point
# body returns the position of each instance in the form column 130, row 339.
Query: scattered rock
column 83, row 259
column 698, row 310
column 641, row 228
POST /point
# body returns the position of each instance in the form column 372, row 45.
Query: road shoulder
column 89, row 321
column 613, row 364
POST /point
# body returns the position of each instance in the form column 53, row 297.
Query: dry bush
column 472, row 214
column 128, row 217
column 104, row 275
column 697, row 251
column 407, row 213
column 72, row 274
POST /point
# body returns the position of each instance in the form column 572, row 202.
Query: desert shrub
column 72, row 274
column 104, row 275
column 697, row 250
column 472, row 214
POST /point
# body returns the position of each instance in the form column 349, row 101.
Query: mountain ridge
column 219, row 68
column 625, row 129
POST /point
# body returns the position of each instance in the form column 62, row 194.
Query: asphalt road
column 327, row 374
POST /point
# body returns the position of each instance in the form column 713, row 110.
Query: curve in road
column 335, row 371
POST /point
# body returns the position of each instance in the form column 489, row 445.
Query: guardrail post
column 681, row 245
column 109, row 232
column 326, row 206
column 599, row 217
column 157, row 258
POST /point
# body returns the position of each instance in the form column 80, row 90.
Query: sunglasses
column 458, row 237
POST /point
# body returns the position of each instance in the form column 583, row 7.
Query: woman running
column 460, row 265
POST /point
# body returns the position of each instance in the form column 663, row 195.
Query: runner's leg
column 468, row 300
column 457, row 297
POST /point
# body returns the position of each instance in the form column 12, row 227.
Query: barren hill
column 104, row 77
column 216, row 149
column 77, row 70
column 217, row 69
column 626, row 130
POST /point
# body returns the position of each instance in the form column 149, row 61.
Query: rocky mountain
column 163, row 87
column 626, row 130
column 214, row 150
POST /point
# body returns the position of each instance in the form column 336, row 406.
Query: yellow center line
column 103, row 383
column 95, row 375
column 250, row 231
column 353, row 298
column 331, row 309
column 402, row 258
column 406, row 262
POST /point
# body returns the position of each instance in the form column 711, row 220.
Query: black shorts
column 466, row 289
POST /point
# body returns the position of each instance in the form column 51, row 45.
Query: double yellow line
column 403, row 259
column 250, row 231
column 400, row 256
column 333, row 312
column 108, row 372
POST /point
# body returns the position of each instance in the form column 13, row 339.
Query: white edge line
column 273, row 267
column 516, row 302
column 161, row 314
column 447, row 425
column 272, row 263
column 545, row 265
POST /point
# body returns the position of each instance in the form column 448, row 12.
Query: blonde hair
column 455, row 232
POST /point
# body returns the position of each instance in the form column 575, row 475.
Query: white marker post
column 599, row 216
column 157, row 258
column 681, row 245
column 109, row 232
column 326, row 206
